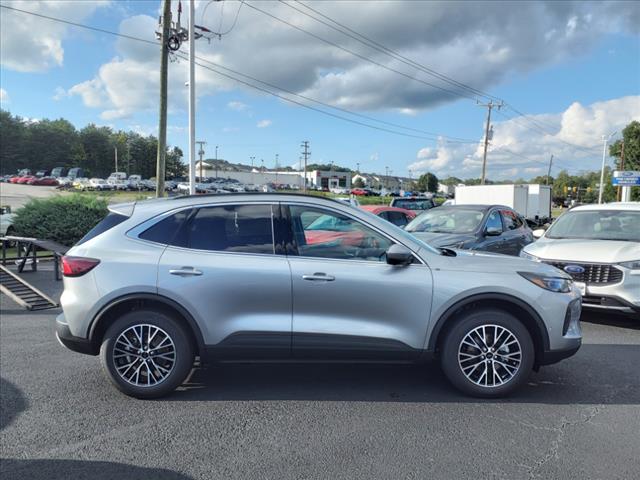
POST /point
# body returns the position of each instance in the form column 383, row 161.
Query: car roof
column 476, row 206
column 622, row 206
column 383, row 208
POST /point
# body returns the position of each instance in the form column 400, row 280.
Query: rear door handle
column 185, row 272
column 319, row 277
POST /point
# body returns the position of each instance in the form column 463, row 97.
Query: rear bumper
column 77, row 344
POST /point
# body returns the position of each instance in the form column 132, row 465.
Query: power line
column 368, row 41
column 154, row 43
column 362, row 57
column 220, row 33
column 539, row 126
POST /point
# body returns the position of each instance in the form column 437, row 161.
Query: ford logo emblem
column 573, row 269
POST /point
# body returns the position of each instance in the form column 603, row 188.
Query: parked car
column 76, row 172
column 99, row 184
column 415, row 204
column 43, row 173
column 6, row 221
column 488, row 228
column 80, row 183
column 24, row 179
column 398, row 216
column 64, row 182
column 361, row 192
column 44, row 181
column 599, row 247
column 180, row 291
column 58, row 172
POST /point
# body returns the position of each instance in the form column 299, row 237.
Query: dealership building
column 256, row 176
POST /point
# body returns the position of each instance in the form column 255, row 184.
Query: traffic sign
column 626, row 178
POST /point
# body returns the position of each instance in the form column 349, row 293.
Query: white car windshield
column 447, row 220
column 597, row 225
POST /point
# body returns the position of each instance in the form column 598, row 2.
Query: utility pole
column 549, row 172
column 192, row 99
column 115, row 149
column 164, row 73
column 305, row 154
column 252, row 158
column 358, row 167
column 487, row 132
column 605, row 139
column 201, row 144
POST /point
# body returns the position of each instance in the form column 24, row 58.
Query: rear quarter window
column 107, row 223
column 169, row 231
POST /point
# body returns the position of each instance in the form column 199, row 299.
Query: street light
column 605, row 139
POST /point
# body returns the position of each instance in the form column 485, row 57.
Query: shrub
column 63, row 219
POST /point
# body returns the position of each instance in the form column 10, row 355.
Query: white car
column 98, row 184
column 599, row 246
column 6, row 221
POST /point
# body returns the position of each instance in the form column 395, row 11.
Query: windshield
column 447, row 220
column 597, row 225
column 412, row 204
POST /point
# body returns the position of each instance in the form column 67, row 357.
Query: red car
column 14, row 179
column 48, row 181
column 398, row 216
column 359, row 191
column 24, row 179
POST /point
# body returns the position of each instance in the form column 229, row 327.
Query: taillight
column 77, row 266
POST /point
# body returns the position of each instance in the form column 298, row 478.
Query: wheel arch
column 136, row 301
column 522, row 310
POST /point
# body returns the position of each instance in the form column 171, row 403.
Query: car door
column 347, row 301
column 513, row 234
column 491, row 243
column 222, row 267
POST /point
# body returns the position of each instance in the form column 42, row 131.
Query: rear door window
column 397, row 218
column 169, row 230
column 232, row 228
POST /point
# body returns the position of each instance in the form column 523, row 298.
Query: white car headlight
column 632, row 265
column 528, row 256
column 554, row 284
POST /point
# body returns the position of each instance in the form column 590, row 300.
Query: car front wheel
column 487, row 353
column 146, row 354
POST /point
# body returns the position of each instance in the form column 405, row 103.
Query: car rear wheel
column 488, row 353
column 146, row 354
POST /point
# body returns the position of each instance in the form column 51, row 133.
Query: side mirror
column 399, row 255
column 493, row 232
column 538, row 233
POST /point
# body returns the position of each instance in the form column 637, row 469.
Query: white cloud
column 237, row 106
column 480, row 44
column 264, row 123
column 59, row 94
column 32, row 44
column 526, row 144
column 4, row 96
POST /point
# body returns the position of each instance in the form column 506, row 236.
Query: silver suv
column 277, row 277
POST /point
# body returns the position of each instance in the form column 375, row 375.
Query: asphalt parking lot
column 60, row 417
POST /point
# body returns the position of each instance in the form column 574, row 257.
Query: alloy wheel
column 489, row 355
column 144, row 355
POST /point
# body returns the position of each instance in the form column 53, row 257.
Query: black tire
column 452, row 345
column 179, row 369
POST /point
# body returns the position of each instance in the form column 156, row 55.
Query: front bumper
column 77, row 344
column 609, row 303
column 554, row 356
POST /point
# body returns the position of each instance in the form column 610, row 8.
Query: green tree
column 631, row 138
column 358, row 183
column 428, row 182
column 175, row 166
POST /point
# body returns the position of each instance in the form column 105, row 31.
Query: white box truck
column 539, row 204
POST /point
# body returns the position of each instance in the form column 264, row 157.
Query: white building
column 315, row 178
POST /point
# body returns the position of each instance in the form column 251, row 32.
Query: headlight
column 528, row 256
column 632, row 265
column 555, row 284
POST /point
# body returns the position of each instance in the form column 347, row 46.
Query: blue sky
column 574, row 68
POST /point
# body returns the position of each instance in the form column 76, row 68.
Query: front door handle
column 185, row 272
column 319, row 277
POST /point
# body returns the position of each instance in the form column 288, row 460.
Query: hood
column 443, row 239
column 474, row 261
column 592, row 251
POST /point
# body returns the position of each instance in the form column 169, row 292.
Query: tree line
column 46, row 144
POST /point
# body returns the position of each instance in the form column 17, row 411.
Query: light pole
column 192, row 100
column 605, row 139
column 252, row 158
column 216, row 152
